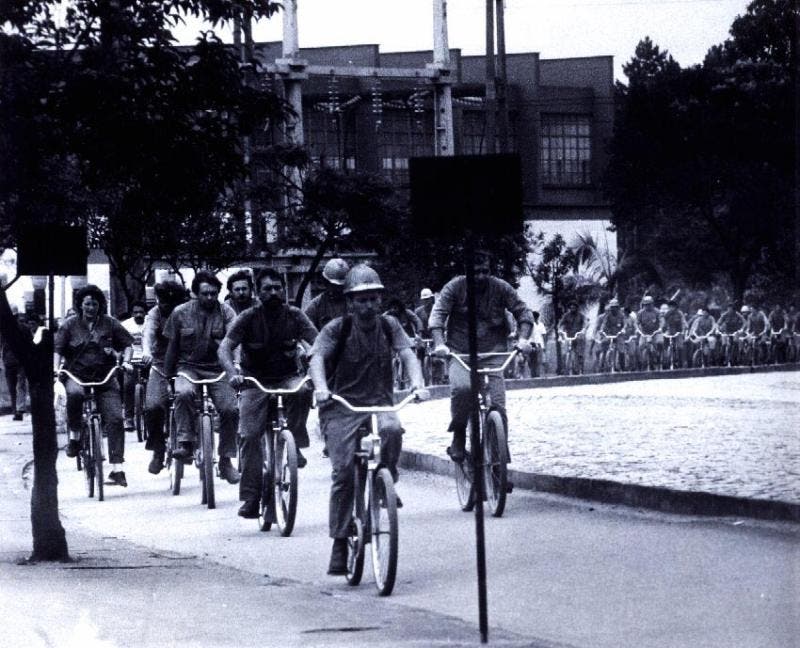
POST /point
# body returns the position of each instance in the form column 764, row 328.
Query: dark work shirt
column 197, row 334
column 269, row 341
column 326, row 307
column 88, row 351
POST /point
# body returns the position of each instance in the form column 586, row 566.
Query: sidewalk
column 116, row 594
column 714, row 445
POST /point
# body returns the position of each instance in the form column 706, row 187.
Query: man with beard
column 154, row 345
column 271, row 336
column 195, row 330
column 135, row 326
column 352, row 357
column 493, row 297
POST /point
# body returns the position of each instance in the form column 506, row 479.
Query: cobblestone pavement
column 726, row 435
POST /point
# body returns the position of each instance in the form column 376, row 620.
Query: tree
column 105, row 121
column 557, row 261
column 701, row 167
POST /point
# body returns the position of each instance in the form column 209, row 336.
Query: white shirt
column 136, row 330
column 538, row 333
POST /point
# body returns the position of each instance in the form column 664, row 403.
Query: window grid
column 403, row 135
column 330, row 139
column 566, row 152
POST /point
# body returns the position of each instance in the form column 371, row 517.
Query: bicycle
column 493, row 443
column 278, row 502
column 429, row 361
column 700, row 355
column 572, row 359
column 140, row 390
column 648, row 352
column 204, row 452
column 604, row 365
column 670, row 357
column 776, row 346
column 90, row 457
column 374, row 520
column 730, row 347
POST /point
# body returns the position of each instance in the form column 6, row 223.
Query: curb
column 665, row 500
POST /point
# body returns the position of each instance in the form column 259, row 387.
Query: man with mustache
column 274, row 337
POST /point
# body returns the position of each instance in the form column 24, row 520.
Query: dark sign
column 51, row 249
column 477, row 193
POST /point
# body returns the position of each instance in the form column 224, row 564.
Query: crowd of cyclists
column 353, row 345
column 659, row 337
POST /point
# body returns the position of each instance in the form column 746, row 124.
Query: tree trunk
column 49, row 539
column 321, row 250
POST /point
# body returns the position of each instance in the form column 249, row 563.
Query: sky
column 554, row 28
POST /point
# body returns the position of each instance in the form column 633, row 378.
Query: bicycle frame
column 279, row 479
column 700, row 354
column 670, row 350
column 368, row 519
column 651, row 359
column 612, row 347
column 204, row 453
column 730, row 343
column 571, row 352
column 91, row 457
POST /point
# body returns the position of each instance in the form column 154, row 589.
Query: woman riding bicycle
column 352, row 357
column 86, row 345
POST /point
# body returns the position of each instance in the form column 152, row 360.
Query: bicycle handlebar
column 201, row 381
column 375, row 409
column 566, row 337
column 277, row 392
column 89, row 384
column 511, row 355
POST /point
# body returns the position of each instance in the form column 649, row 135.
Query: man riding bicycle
column 194, row 331
column 648, row 324
column 169, row 294
column 86, row 344
column 135, row 326
column 352, row 357
column 493, row 297
column 274, row 338
column 674, row 324
column 704, row 325
column 613, row 324
column 573, row 323
column 757, row 325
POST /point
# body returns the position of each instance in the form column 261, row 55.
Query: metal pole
column 489, row 98
column 475, row 442
column 501, row 78
column 442, row 93
column 51, row 289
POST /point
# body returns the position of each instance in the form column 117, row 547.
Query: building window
column 330, row 138
column 403, row 134
column 566, row 150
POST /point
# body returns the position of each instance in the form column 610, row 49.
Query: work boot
column 456, row 449
column 129, row 424
column 117, row 478
column 17, row 416
column 73, row 448
column 227, row 471
column 156, row 463
column 249, row 510
column 338, row 563
column 301, row 460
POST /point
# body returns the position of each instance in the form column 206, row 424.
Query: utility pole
column 442, row 91
column 501, row 78
column 490, row 102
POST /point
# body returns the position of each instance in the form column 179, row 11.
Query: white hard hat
column 335, row 271
column 362, row 278
column 426, row 293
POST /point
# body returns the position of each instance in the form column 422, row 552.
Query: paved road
column 728, row 435
column 561, row 572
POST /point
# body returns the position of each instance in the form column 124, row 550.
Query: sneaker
column 398, row 501
column 325, row 451
column 185, row 450
column 456, row 449
column 156, row 463
column 338, row 563
column 249, row 510
column 73, row 448
column 129, row 424
column 301, row 460
column 17, row 416
column 227, row 471
column 117, row 479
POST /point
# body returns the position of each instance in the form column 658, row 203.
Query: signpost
column 466, row 199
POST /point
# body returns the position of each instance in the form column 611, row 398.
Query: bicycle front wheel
column 358, row 532
column 138, row 411
column 97, row 456
column 495, row 472
column 384, row 530
column 85, row 458
column 465, row 489
column 207, row 461
column 285, row 482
